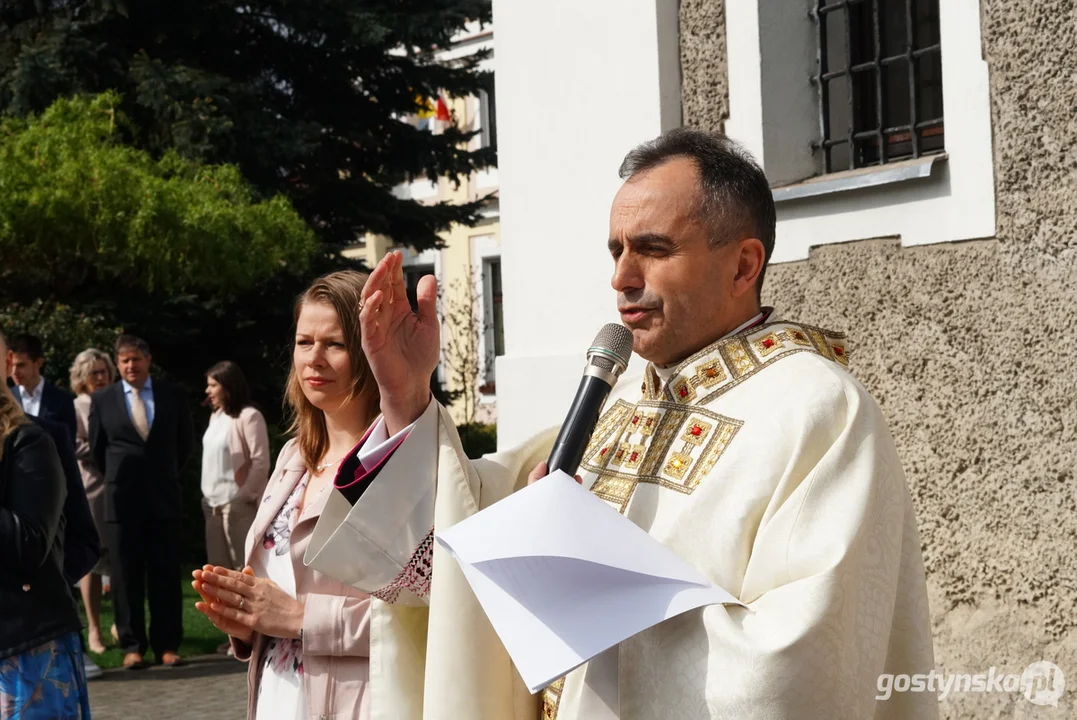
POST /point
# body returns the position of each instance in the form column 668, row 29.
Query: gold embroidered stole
column 670, row 438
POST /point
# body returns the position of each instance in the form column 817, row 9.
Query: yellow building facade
column 468, row 264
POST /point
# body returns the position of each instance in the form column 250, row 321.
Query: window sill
column 859, row 179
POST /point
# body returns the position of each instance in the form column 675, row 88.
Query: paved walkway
column 206, row 688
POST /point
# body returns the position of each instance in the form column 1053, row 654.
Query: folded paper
column 563, row 577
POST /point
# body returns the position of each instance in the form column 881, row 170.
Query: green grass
column 199, row 635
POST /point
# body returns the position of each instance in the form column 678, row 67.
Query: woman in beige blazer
column 304, row 634
column 235, row 465
column 91, row 370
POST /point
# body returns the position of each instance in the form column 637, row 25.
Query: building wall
column 455, row 266
column 970, row 351
column 558, row 154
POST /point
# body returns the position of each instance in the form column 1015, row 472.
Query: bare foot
column 93, row 642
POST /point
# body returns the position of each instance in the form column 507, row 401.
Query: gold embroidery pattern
column 683, row 391
column 740, row 357
column 634, row 457
column 795, row 336
column 551, row 699
column 598, row 449
column 647, row 423
column 616, row 486
column 663, row 441
column 769, row 343
column 710, row 374
column 633, row 445
column 651, row 384
column 678, row 465
column 695, row 433
column 704, row 436
column 714, row 451
column 739, row 353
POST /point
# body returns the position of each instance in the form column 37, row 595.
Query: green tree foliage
column 77, row 205
column 478, row 439
column 64, row 332
column 306, row 97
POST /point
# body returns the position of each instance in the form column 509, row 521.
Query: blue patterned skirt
column 45, row 683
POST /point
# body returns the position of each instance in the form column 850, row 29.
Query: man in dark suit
column 141, row 434
column 38, row 398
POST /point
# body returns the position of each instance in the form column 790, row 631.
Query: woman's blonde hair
column 82, row 366
column 341, row 291
column 11, row 415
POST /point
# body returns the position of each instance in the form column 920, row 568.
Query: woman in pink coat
column 304, row 634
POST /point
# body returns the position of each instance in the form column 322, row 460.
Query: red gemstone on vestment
column 838, row 350
column 633, row 456
column 768, row 343
column 684, row 392
column 635, row 420
column 696, row 430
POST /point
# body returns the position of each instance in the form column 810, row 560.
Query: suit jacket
column 141, row 476
column 58, row 406
column 82, row 544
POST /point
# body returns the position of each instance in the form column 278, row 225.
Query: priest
column 746, row 447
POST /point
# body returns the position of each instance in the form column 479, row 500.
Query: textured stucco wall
column 704, row 81
column 971, row 350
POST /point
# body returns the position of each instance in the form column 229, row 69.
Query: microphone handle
column 580, row 422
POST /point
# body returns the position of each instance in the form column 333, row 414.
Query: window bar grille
column 879, row 132
column 850, row 82
column 880, row 80
column 824, row 91
column 910, row 38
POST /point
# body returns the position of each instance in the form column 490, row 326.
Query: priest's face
column 676, row 291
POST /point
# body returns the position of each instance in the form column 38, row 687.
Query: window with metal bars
column 879, row 80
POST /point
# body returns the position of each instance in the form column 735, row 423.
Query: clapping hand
column 241, row 604
column 401, row 346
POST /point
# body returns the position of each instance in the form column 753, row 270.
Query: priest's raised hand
column 402, row 346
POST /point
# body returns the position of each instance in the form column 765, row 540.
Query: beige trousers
column 226, row 531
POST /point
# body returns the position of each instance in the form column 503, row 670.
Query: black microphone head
column 611, row 348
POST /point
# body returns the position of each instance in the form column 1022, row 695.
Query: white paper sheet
column 562, row 576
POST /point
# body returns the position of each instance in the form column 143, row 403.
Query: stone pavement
column 212, row 687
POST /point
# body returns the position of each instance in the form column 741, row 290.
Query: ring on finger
column 242, row 603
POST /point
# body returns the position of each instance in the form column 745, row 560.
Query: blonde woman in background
column 305, row 634
column 91, row 371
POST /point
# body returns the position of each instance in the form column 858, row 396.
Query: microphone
column 607, row 358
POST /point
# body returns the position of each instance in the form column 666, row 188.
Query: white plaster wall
column 578, row 85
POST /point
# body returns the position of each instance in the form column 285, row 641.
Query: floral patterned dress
column 45, row 682
column 280, row 689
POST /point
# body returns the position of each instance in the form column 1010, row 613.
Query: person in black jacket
column 82, row 544
column 141, row 435
column 41, row 673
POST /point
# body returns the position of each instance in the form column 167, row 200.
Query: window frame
column 773, row 110
column 866, row 61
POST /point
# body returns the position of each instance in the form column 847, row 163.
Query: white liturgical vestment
column 760, row 460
